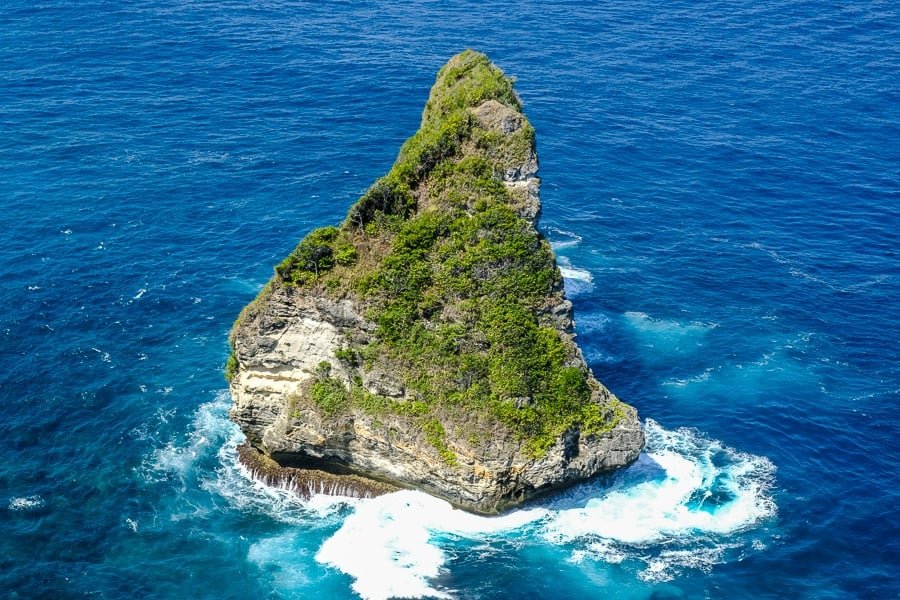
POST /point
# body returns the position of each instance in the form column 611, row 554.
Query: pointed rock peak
column 426, row 340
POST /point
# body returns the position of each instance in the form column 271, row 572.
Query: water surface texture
column 721, row 187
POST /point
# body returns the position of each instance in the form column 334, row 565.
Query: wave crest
column 678, row 506
column 685, row 504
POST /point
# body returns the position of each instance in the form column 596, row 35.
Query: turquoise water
column 721, row 187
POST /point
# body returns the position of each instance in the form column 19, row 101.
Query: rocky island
column 426, row 341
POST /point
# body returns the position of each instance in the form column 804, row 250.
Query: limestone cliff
column 427, row 342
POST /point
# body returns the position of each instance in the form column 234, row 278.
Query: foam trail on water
column 574, row 273
column 561, row 239
column 645, row 323
column 667, row 337
column 209, row 429
column 576, row 280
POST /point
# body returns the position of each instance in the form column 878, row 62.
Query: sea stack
column 426, row 341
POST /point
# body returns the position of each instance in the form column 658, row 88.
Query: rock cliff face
column 426, row 342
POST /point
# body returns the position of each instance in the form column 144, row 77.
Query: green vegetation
column 447, row 123
column 330, row 396
column 454, row 280
column 231, row 366
column 467, row 80
column 315, row 255
column 437, row 437
column 347, row 356
column 333, row 397
column 506, row 148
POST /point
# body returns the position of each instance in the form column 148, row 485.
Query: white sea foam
column 577, row 281
column 668, row 563
column 674, row 509
column 209, row 429
column 684, row 382
column 681, row 506
column 212, row 436
column 207, row 157
column 590, row 323
column 234, row 482
column 659, row 510
column 386, row 544
column 644, row 322
column 131, row 524
column 561, row 239
column 386, row 551
column 691, row 494
column 281, row 556
column 26, row 503
column 605, row 550
column 104, row 356
column 383, row 543
column 756, row 377
column 574, row 273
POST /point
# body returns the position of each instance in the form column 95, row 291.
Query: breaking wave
column 680, row 506
column 576, row 280
column 387, row 545
column 689, row 502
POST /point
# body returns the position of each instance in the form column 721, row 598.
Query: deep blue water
column 722, row 186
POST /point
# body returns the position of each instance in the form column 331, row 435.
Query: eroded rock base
column 308, row 482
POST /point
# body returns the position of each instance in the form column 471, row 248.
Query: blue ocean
column 721, row 183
